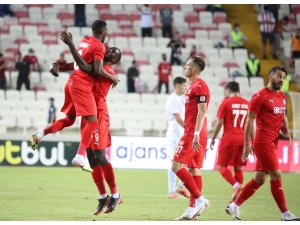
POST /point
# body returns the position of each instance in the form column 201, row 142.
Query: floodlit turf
column 39, row 193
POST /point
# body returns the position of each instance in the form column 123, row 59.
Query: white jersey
column 175, row 104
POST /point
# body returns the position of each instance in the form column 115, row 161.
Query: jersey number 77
column 237, row 113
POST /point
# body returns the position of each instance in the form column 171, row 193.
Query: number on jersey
column 76, row 67
column 237, row 113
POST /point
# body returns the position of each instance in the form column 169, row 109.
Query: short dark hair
column 98, row 25
column 179, row 80
column 233, row 86
column 1, row 54
column 275, row 68
column 198, row 61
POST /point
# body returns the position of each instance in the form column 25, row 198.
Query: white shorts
column 173, row 139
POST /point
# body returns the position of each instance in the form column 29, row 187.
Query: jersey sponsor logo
column 84, row 45
column 279, row 110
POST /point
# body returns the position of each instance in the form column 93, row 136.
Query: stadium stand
column 37, row 26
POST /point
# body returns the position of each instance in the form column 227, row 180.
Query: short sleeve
column 221, row 111
column 174, row 106
column 255, row 103
column 99, row 51
column 201, row 89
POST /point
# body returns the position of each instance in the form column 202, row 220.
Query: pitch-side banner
column 127, row 152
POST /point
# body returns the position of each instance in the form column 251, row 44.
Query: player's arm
column 249, row 127
column 68, row 40
column 55, row 68
column 285, row 130
column 178, row 119
column 3, row 65
column 216, row 132
column 202, row 109
column 100, row 71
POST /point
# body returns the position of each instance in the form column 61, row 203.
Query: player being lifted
column 79, row 99
column 192, row 145
column 175, row 113
column 267, row 106
column 232, row 114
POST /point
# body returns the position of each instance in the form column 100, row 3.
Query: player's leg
column 278, row 195
column 58, row 125
column 238, row 174
column 98, row 178
column 249, row 189
column 100, row 156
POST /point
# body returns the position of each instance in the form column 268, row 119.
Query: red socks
column 247, row 192
column 278, row 194
column 226, row 173
column 198, row 181
column 98, row 178
column 110, row 177
column 59, row 125
column 86, row 136
column 239, row 176
column 188, row 182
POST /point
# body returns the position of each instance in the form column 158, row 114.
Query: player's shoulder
column 261, row 93
column 109, row 69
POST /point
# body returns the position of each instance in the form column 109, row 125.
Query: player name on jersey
column 239, row 106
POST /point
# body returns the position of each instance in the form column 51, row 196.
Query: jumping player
column 232, row 114
column 192, row 145
column 267, row 106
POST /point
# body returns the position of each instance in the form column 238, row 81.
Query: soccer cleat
column 34, row 141
column 200, row 207
column 174, row 195
column 187, row 215
column 288, row 216
column 235, row 194
column 113, row 202
column 102, row 204
column 79, row 161
column 233, row 211
column 183, row 192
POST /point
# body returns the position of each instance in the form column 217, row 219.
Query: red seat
column 129, row 32
column 134, row 16
column 26, row 22
column 107, row 15
column 123, row 24
column 121, row 16
column 296, row 9
column 65, row 15
column 4, row 29
column 218, row 20
column 116, row 34
column 231, row 65
column 142, row 62
column 102, row 6
column 21, row 14
column 21, row 40
column 195, row 26
column 127, row 52
column 41, row 24
column 12, row 48
column 188, row 34
column 200, row 8
column 191, row 17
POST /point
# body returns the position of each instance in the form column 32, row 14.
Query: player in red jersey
column 267, row 106
column 78, row 90
column 232, row 113
column 96, row 151
column 164, row 72
column 192, row 145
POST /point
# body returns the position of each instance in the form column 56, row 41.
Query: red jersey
column 269, row 106
column 197, row 89
column 101, row 88
column 90, row 49
column 234, row 112
column 31, row 58
column 164, row 71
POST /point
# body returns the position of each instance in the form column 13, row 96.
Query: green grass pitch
column 40, row 193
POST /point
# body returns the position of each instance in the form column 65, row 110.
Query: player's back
column 90, row 49
column 233, row 111
column 174, row 104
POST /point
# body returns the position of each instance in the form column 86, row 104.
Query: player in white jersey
column 175, row 111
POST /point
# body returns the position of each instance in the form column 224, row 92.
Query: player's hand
column 54, row 70
column 115, row 82
column 289, row 137
column 246, row 151
column 196, row 146
column 212, row 143
column 66, row 37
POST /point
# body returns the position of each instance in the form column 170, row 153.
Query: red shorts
column 68, row 107
column 266, row 157
column 79, row 99
column 230, row 155
column 185, row 154
column 101, row 137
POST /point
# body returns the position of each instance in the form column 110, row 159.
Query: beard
column 277, row 85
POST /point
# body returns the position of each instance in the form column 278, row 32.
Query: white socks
column 237, row 185
column 171, row 181
column 116, row 195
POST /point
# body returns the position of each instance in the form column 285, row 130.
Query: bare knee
column 90, row 118
column 275, row 175
column 100, row 156
column 260, row 177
